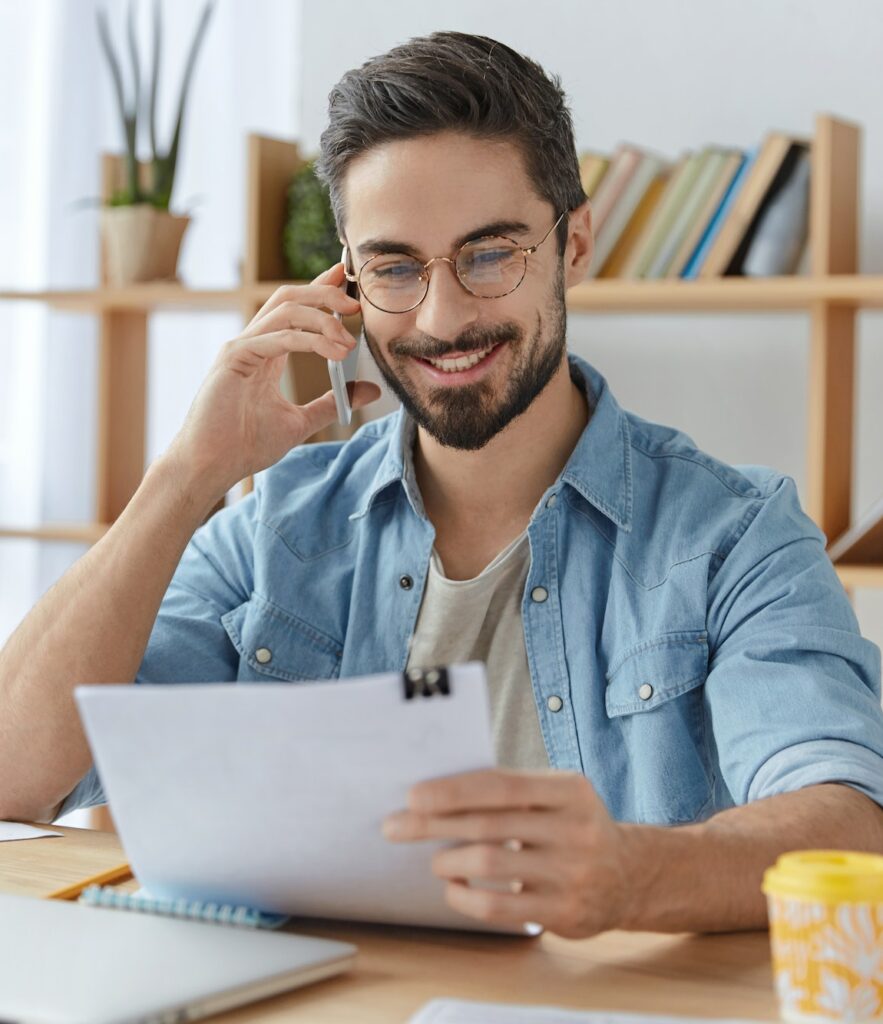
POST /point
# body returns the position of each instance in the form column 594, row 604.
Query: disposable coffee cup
column 826, row 934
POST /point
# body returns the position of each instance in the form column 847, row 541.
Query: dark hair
column 451, row 81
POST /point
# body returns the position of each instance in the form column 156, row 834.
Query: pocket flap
column 656, row 671
column 277, row 644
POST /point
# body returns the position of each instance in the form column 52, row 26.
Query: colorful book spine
column 694, row 266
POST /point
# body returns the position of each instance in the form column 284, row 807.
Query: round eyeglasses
column 489, row 267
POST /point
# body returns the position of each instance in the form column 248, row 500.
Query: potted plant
column 140, row 235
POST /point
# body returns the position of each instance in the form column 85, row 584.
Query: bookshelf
column 831, row 294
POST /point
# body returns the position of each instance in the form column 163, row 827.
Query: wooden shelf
column 726, row 294
column 81, row 533
column 830, row 295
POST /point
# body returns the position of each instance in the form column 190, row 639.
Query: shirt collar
column 599, row 467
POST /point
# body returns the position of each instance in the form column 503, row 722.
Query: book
column 623, row 165
column 634, row 229
column 782, row 229
column 734, row 234
column 697, row 260
column 863, row 543
column 679, row 185
column 720, row 187
column 710, row 162
column 592, row 168
column 649, row 168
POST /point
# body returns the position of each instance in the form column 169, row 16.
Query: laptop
column 64, row 963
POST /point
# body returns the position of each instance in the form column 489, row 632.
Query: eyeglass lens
column 488, row 267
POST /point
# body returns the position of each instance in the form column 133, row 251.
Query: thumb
column 322, row 412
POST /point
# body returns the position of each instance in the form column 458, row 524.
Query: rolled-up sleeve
column 188, row 643
column 793, row 689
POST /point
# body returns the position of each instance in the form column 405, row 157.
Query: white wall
column 671, row 75
column 59, row 114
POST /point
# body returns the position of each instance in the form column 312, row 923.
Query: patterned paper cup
column 826, row 933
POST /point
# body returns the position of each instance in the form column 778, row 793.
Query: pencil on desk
column 121, row 873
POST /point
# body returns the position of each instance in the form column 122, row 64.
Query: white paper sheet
column 272, row 795
column 457, row 1011
column 13, row 830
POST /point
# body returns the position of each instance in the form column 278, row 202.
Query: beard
column 469, row 416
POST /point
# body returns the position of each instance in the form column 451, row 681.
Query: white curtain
column 57, row 114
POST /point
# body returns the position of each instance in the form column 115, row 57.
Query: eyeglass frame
column 525, row 251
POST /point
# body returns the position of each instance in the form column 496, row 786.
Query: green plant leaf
column 309, row 239
column 172, row 155
column 154, row 75
column 129, row 121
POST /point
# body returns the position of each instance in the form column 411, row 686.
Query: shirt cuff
column 816, row 762
column 88, row 792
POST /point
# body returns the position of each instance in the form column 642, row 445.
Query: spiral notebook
column 272, row 795
column 193, row 910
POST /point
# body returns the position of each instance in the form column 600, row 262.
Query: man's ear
column 580, row 245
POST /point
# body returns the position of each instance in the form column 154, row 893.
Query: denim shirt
column 683, row 611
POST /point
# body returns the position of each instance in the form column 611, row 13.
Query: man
column 663, row 631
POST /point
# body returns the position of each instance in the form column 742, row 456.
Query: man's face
column 426, row 196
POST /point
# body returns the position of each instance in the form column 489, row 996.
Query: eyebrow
column 377, row 246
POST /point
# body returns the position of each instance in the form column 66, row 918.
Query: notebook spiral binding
column 427, row 682
column 194, row 910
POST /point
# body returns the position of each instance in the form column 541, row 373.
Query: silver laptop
column 64, row 963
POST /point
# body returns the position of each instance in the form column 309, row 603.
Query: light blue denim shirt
column 683, row 610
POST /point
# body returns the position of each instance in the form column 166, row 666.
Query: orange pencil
column 121, row 873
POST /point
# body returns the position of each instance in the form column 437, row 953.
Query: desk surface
column 400, row 969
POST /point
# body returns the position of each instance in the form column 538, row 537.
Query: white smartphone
column 346, row 369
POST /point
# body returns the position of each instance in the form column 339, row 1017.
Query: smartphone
column 346, row 369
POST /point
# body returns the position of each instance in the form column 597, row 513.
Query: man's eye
column 396, row 271
column 492, row 256
column 488, row 259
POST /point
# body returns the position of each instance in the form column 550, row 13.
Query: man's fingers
column 333, row 275
column 322, row 412
column 495, row 790
column 250, row 353
column 533, row 827
column 489, row 862
column 497, row 907
column 324, row 290
column 291, row 316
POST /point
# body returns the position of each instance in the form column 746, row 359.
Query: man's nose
column 448, row 308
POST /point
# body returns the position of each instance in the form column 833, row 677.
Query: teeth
column 461, row 362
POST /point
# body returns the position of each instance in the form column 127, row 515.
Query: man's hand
column 544, row 841
column 240, row 423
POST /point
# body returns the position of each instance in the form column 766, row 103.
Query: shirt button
column 405, row 582
column 539, row 594
column 646, row 692
column 552, row 500
column 554, row 703
column 263, row 655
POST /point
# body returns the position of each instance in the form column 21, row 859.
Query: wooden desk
column 399, row 969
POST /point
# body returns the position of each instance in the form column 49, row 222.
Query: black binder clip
column 426, row 682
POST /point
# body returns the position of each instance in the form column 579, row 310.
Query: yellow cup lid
column 828, row 876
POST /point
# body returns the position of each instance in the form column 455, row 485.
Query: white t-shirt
column 480, row 620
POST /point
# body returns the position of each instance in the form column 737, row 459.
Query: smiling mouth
column 459, row 362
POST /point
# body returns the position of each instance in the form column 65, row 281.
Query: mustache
column 428, row 347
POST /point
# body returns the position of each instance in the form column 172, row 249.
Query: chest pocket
column 274, row 644
column 655, row 697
